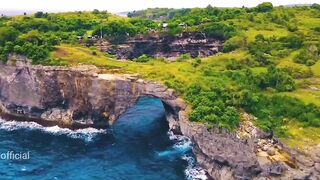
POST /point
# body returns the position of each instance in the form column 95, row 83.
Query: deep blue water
column 137, row 147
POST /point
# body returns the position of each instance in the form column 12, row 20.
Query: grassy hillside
column 269, row 65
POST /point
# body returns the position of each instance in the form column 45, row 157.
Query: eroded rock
column 195, row 44
column 80, row 95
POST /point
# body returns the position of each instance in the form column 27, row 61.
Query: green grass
column 301, row 136
column 252, row 33
column 316, row 69
column 180, row 75
column 154, row 69
column 185, row 73
column 306, row 95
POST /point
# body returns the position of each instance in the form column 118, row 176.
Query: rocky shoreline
column 81, row 96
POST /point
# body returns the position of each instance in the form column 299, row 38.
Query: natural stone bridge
column 80, row 97
column 75, row 96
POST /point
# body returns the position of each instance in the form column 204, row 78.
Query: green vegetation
column 269, row 65
column 142, row 58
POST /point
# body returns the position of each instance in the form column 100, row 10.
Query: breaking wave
column 182, row 147
column 86, row 134
column 193, row 171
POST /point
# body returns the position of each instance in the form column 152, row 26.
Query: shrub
column 116, row 32
column 310, row 62
column 214, row 105
column 307, row 56
column 271, row 110
column 317, row 29
column 143, row 58
column 233, row 44
column 184, row 57
column 196, row 62
column 7, row 34
column 292, row 27
column 296, row 70
column 233, row 64
column 219, row 30
column 293, row 41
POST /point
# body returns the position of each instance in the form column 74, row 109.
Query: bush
column 310, row 62
column 219, row 30
column 264, row 7
column 293, row 41
column 317, row 29
column 143, row 58
column 214, row 105
column 280, row 79
column 116, row 32
column 271, row 110
column 39, row 14
column 94, row 53
column 196, row 62
column 307, row 56
column 233, row 64
column 232, row 44
column 7, row 34
column 292, row 27
column 296, row 70
column 184, row 57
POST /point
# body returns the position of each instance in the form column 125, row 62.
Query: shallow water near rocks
column 138, row 146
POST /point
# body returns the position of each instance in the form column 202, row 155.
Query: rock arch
column 85, row 97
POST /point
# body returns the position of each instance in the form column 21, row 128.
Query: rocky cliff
column 82, row 96
column 195, row 44
column 71, row 96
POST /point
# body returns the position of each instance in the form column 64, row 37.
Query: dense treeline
column 274, row 111
column 215, row 105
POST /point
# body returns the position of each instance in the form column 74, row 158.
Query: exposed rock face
column 82, row 96
column 220, row 152
column 72, row 96
column 196, row 44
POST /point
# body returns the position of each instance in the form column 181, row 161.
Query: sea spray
column 193, row 170
column 127, row 153
column 182, row 147
column 86, row 134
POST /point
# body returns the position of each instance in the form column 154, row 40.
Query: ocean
column 139, row 146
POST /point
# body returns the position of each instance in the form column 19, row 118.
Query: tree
column 280, row 79
column 209, row 7
column 33, row 36
column 315, row 6
column 293, row 41
column 7, row 34
column 95, row 11
column 39, row 14
column 116, row 32
column 264, row 7
column 219, row 30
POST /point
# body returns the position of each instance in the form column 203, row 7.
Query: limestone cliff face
column 81, row 96
column 195, row 44
column 72, row 96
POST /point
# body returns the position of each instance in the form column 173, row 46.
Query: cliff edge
column 82, row 96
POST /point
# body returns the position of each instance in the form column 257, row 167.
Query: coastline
column 224, row 154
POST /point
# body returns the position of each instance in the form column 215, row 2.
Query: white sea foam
column 193, row 171
column 87, row 134
column 183, row 144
